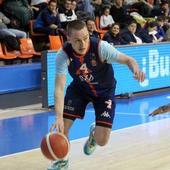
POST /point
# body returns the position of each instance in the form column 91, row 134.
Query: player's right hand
column 58, row 125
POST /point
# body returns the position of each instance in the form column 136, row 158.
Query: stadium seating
column 32, row 33
column 97, row 22
column 27, row 48
column 55, row 42
column 4, row 54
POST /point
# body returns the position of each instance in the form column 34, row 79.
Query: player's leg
column 74, row 107
column 67, row 125
column 101, row 135
column 100, row 131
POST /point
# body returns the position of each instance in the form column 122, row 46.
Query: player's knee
column 102, row 135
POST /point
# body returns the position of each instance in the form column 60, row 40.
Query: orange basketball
column 55, row 146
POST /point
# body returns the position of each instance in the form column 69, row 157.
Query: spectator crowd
column 119, row 22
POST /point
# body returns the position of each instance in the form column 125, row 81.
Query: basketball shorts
column 75, row 103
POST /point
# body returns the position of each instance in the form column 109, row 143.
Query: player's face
column 79, row 40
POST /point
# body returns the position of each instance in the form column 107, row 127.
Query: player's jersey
column 89, row 74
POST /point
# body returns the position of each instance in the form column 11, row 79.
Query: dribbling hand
column 58, row 125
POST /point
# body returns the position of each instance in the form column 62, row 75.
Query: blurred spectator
column 48, row 21
column 130, row 34
column 106, row 19
column 74, row 6
column 84, row 10
column 167, row 35
column 97, row 6
column 4, row 22
column 148, row 34
column 20, row 10
column 166, row 23
column 108, row 3
column 92, row 28
column 118, row 12
column 162, row 9
column 38, row 6
column 140, row 6
column 66, row 13
column 160, row 31
column 113, row 35
column 11, row 43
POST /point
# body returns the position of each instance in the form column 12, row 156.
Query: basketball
column 55, row 146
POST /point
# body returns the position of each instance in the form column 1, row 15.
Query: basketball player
column 89, row 63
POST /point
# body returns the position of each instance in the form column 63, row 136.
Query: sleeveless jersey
column 89, row 73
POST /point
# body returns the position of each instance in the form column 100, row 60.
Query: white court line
column 19, row 153
column 114, row 131
column 20, row 108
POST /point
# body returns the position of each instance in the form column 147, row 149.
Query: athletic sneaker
column 90, row 144
column 59, row 165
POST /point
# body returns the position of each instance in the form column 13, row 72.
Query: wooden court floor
column 142, row 147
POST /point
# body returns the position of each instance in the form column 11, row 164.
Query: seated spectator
column 38, row 6
column 162, row 9
column 4, row 22
column 166, row 25
column 92, row 28
column 148, row 34
column 160, row 31
column 106, row 19
column 82, row 9
column 74, row 6
column 140, row 6
column 20, row 10
column 167, row 35
column 107, row 3
column 118, row 12
column 96, row 7
column 113, row 35
column 66, row 13
column 12, row 43
column 130, row 34
column 48, row 21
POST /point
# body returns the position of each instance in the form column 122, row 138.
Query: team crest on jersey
column 93, row 60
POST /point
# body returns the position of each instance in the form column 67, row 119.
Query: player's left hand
column 139, row 75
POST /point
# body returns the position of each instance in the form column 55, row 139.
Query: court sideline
column 137, row 142
column 142, row 147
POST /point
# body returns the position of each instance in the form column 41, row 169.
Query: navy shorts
column 75, row 103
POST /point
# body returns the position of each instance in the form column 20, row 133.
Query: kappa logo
column 105, row 114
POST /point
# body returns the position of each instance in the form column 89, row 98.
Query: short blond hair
column 75, row 25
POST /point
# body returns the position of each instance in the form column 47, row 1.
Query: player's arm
column 133, row 66
column 109, row 54
column 59, row 100
column 60, row 81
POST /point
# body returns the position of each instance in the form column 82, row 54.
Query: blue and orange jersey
column 89, row 73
